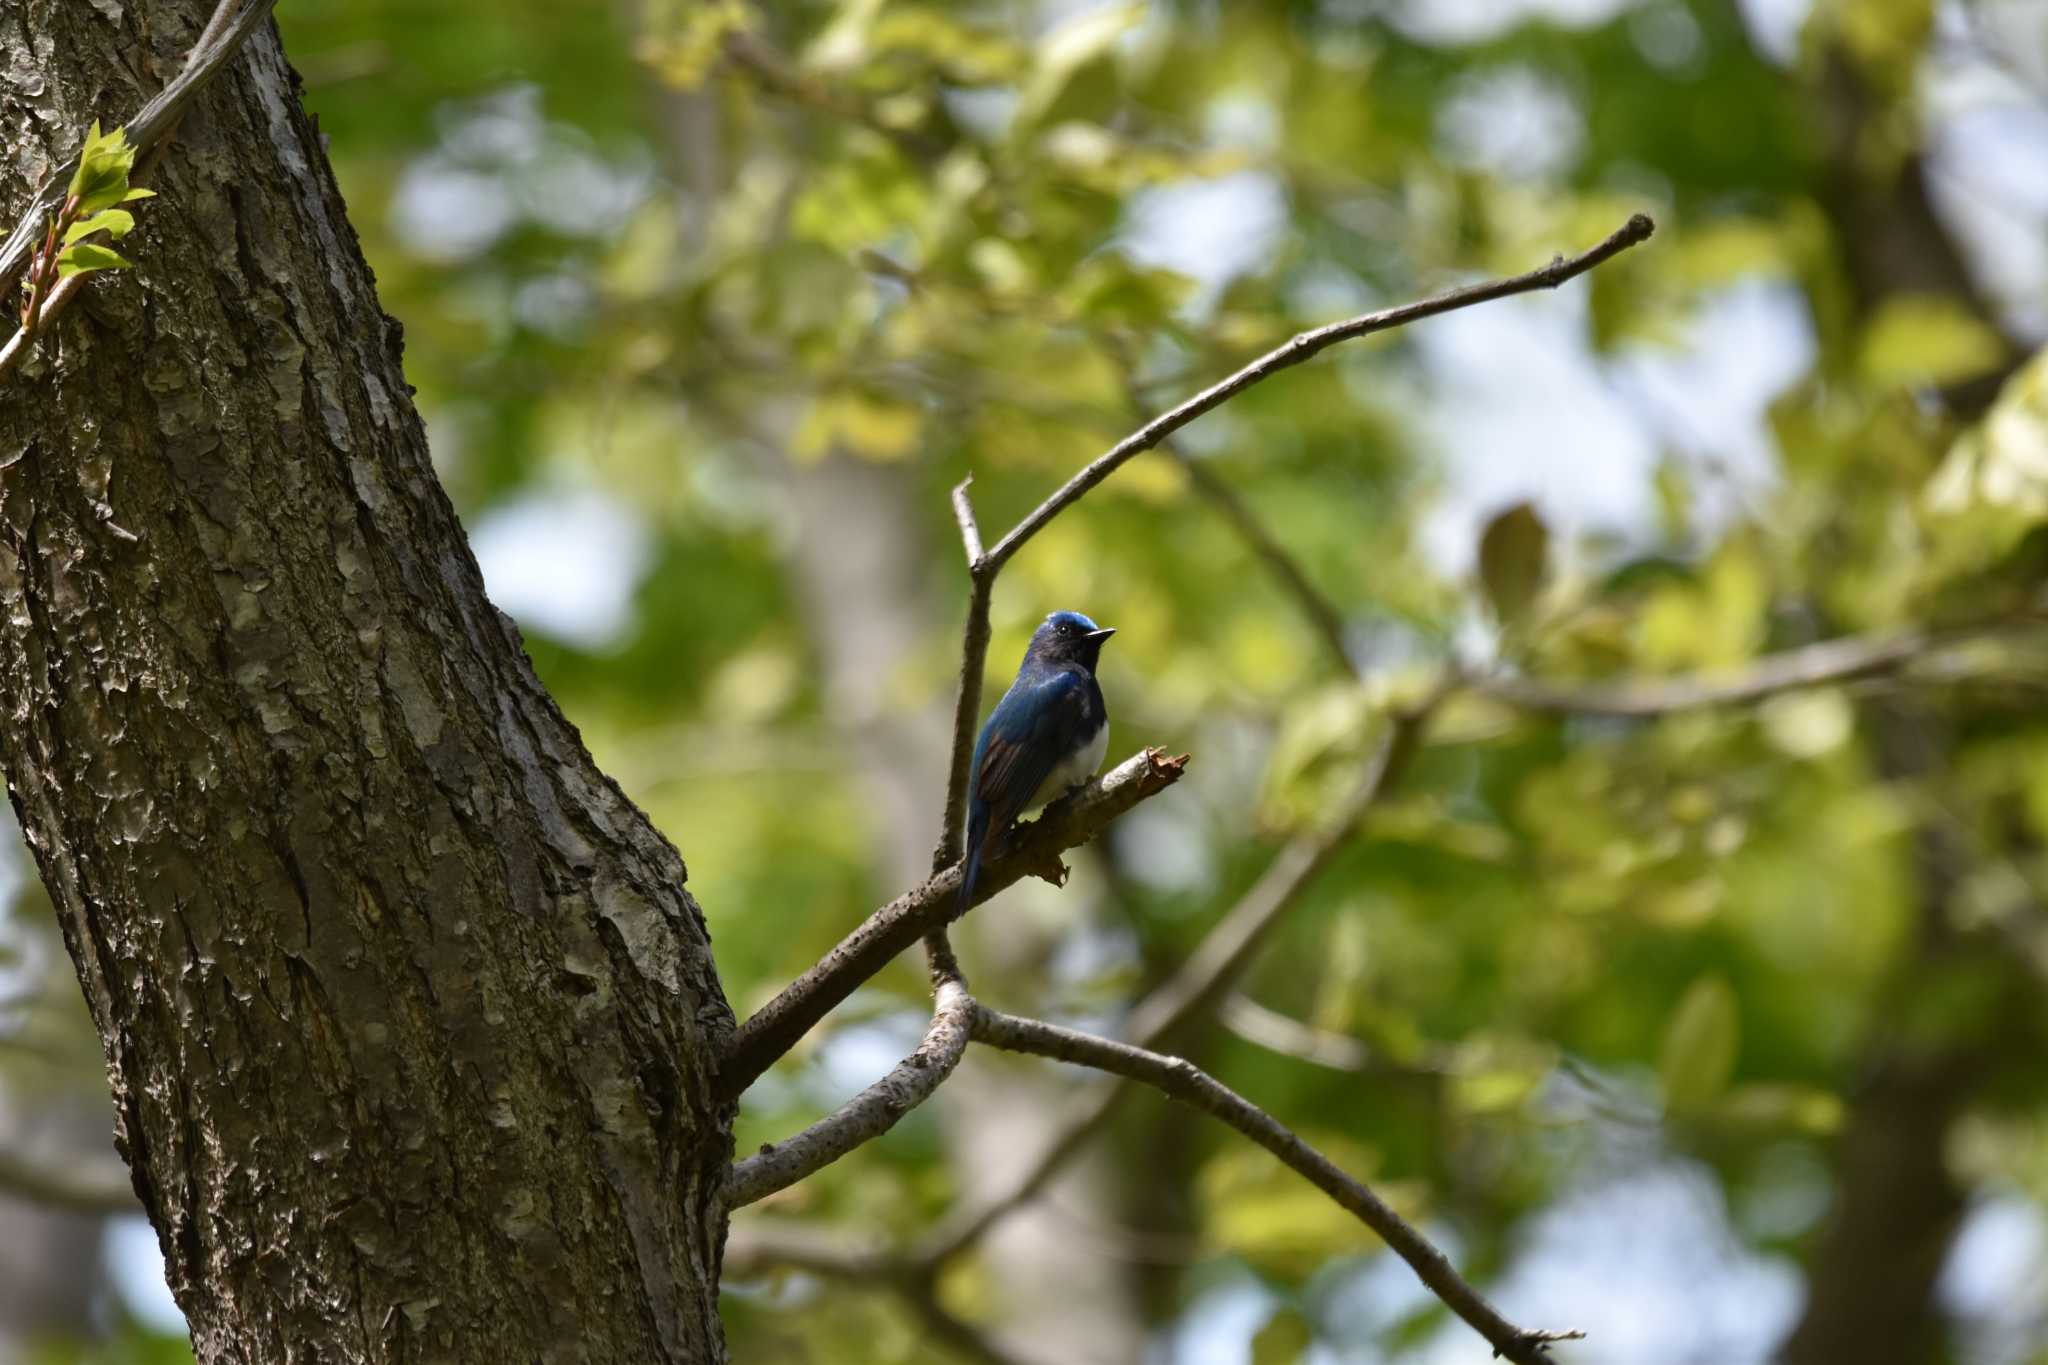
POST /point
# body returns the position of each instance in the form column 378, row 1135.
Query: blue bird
column 1045, row 737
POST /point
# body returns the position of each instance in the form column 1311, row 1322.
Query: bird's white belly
column 1074, row 771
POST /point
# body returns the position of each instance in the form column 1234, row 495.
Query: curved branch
column 868, row 1115
column 1193, row 1086
column 1303, row 347
column 1205, row 977
column 1035, row 849
column 1829, row 661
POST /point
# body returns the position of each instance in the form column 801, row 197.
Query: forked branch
column 777, row 1026
column 983, row 567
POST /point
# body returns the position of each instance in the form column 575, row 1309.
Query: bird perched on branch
column 1045, row 737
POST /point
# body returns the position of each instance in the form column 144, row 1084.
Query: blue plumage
column 1045, row 737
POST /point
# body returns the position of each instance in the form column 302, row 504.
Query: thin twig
column 782, row 1244
column 1193, row 1086
column 1829, row 661
column 47, row 310
column 217, row 45
column 970, row 531
column 1207, row 975
column 981, row 578
column 974, row 637
column 1308, row 344
column 776, row 74
column 868, row 1115
column 97, row 1191
column 1316, row 608
column 1288, row 1036
column 1322, row 614
column 1213, row 968
column 148, row 133
column 923, row 1297
column 777, row 1026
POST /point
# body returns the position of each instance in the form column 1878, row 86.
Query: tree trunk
column 409, row 1020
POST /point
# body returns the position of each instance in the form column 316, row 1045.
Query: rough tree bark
column 409, row 1020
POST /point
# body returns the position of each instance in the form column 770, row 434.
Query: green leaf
column 1066, row 48
column 116, row 223
column 81, row 176
column 138, row 193
column 1514, row 554
column 82, row 257
column 1798, row 1108
column 1928, row 339
column 101, row 180
column 1700, row 1044
column 1284, row 1339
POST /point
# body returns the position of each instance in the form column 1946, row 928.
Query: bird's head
column 1069, row 637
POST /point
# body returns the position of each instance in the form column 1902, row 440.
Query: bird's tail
column 977, row 827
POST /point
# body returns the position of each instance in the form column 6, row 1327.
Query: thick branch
column 868, row 1115
column 1036, row 848
column 1193, row 1086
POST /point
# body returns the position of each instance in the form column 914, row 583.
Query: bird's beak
column 1102, row 634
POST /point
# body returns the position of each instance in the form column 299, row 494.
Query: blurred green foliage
column 691, row 256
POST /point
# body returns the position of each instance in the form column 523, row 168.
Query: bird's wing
column 1032, row 729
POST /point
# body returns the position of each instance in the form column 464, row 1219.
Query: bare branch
column 1193, row 1086
column 868, row 1115
column 981, row 580
column 759, row 1245
column 782, row 1244
column 966, row 710
column 1034, row 849
column 1204, row 978
column 1321, row 613
column 984, row 567
column 970, row 533
column 1636, row 230
column 1829, row 661
column 969, row 1344
column 103, row 1188
column 1215, row 965
column 1288, row 1036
